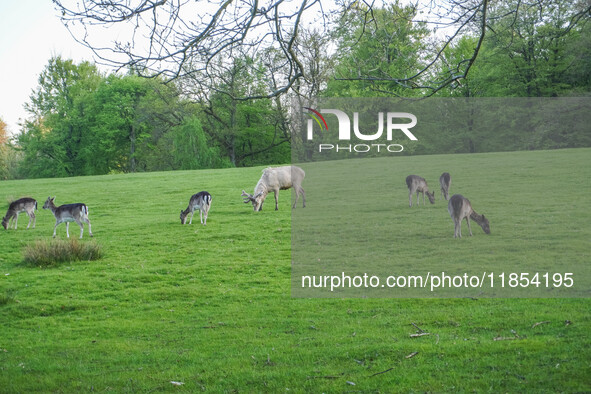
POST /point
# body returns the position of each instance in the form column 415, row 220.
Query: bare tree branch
column 179, row 39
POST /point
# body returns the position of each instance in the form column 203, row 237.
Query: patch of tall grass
column 43, row 253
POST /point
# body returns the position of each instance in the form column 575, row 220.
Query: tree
column 9, row 157
column 250, row 131
column 117, row 125
column 52, row 137
column 531, row 54
column 388, row 45
column 191, row 148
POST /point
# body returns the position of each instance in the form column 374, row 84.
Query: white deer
column 200, row 201
column 273, row 180
column 25, row 204
column 418, row 184
column 69, row 213
column 459, row 208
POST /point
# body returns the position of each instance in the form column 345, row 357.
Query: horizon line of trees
column 86, row 122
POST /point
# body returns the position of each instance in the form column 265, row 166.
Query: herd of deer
column 273, row 179
column 459, row 207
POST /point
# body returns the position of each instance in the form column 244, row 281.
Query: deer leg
column 191, row 220
column 31, row 216
column 276, row 200
column 54, row 227
column 68, row 229
column 410, row 199
column 468, row 221
column 15, row 221
column 81, row 228
column 89, row 229
column 303, row 197
column 457, row 228
column 34, row 219
column 297, row 192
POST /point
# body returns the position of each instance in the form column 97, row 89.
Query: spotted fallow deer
column 25, row 204
column 459, row 208
column 69, row 213
column 418, row 184
column 200, row 201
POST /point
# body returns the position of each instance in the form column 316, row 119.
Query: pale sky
column 30, row 34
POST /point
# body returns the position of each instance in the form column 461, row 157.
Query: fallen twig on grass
column 500, row 338
column 420, row 334
column 540, row 323
column 379, row 373
column 326, row 377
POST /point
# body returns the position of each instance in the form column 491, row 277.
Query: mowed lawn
column 193, row 308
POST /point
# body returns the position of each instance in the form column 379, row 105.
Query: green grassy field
column 211, row 307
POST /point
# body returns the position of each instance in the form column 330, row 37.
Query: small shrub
column 47, row 253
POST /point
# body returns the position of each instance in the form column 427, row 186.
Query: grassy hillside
column 211, row 306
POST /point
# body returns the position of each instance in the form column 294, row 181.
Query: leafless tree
column 178, row 38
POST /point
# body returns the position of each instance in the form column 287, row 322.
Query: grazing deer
column 418, row 184
column 200, row 201
column 445, row 182
column 69, row 213
column 459, row 207
column 27, row 205
column 273, row 180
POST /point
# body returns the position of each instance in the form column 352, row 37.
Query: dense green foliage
column 386, row 46
column 86, row 123
column 540, row 54
column 211, row 307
